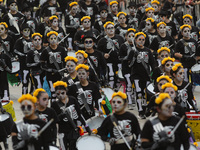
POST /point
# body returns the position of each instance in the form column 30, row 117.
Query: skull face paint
column 171, row 92
column 82, row 74
column 53, row 39
column 80, row 58
column 140, row 40
column 162, row 29
column 27, row 108
column 37, row 41
column 186, row 32
column 103, row 14
column 26, row 32
column 168, row 66
column 180, row 75
column 61, row 94
column 110, row 30
column 155, row 7
column 27, row 14
column 74, row 9
column 43, row 100
column 187, row 21
column 70, row 65
column 162, row 82
column 167, row 108
column 132, row 10
column 88, row 43
column 55, row 22
column 13, row 6
column 2, row 29
column 163, row 54
column 114, row 7
column 86, row 23
column 130, row 37
column 117, row 104
column 122, row 19
column 150, row 14
column 148, row 25
column 53, row 2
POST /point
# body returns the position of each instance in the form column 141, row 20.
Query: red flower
column 82, row 36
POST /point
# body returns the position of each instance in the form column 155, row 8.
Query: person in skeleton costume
column 167, row 64
column 46, row 114
column 126, row 71
column 141, row 62
column 126, row 122
column 33, row 61
column 185, row 94
column 86, row 92
column 186, row 50
column 133, row 19
column 72, row 23
column 54, row 26
column 69, row 114
column 3, row 10
column 170, row 25
column 162, row 39
column 86, row 22
column 52, row 60
column 109, row 46
column 114, row 11
column 156, row 6
column 122, row 28
column 25, row 132
column 168, row 5
column 157, row 132
column 21, row 48
column 187, row 19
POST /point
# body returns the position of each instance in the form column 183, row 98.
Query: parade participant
column 185, row 94
column 25, row 132
column 52, row 60
column 46, row 114
column 81, row 56
column 21, row 48
column 72, row 23
column 114, row 11
column 158, row 133
column 33, row 61
column 156, row 6
column 86, row 92
column 186, row 50
column 141, row 61
column 109, row 46
column 126, row 71
column 122, row 121
column 3, row 10
column 167, row 64
column 69, row 114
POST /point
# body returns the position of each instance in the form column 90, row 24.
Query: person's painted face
column 162, row 82
column 26, row 32
column 110, row 30
column 148, row 25
column 53, row 2
column 53, row 39
column 2, row 29
column 43, row 100
column 88, row 43
column 55, row 22
column 140, row 40
column 167, row 108
column 61, row 94
column 187, row 21
column 162, row 28
column 114, row 7
column 104, row 14
column 180, row 75
column 117, row 104
column 168, row 66
column 186, row 32
column 164, row 54
column 82, row 74
column 150, row 14
column 37, row 41
column 171, row 92
column 70, row 65
column 27, row 108
column 86, row 23
column 155, row 7
column 80, row 58
column 122, row 19
column 13, row 6
column 130, row 37
column 74, row 9
column 27, row 14
column 163, row 18
column 132, row 10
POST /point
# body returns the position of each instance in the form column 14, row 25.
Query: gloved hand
column 24, row 134
column 112, row 141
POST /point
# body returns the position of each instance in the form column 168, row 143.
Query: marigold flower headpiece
column 120, row 94
column 60, row 83
column 107, row 23
column 36, row 34
column 150, row 19
column 158, row 25
column 113, row 2
column 52, row 17
column 184, row 26
column 52, row 32
column 73, row 3
column 166, row 85
column 28, row 97
column 37, row 91
column 85, row 55
column 5, row 24
column 82, row 66
column 167, row 59
column 155, row 2
column 131, row 29
column 71, row 58
column 187, row 16
column 149, row 8
column 176, row 66
column 85, row 17
column 164, row 77
column 161, row 97
column 163, row 49
column 121, row 13
column 140, row 33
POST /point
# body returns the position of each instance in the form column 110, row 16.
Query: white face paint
column 167, row 108
column 148, row 25
column 61, row 94
column 27, row 108
column 122, row 19
column 110, row 30
column 130, row 37
column 171, row 92
column 164, row 54
column 55, row 22
column 82, row 74
column 37, row 41
column 27, row 14
column 150, row 14
column 180, row 75
column 26, row 32
column 162, row 82
column 186, row 32
column 70, row 65
column 80, row 58
column 168, row 66
column 132, row 10
column 114, row 7
column 86, row 23
column 43, row 100
column 117, row 104
column 162, row 28
column 88, row 43
column 140, row 40
column 13, row 6
column 104, row 14
column 53, row 2
column 53, row 40
column 155, row 7
column 2, row 30
column 74, row 9
column 187, row 21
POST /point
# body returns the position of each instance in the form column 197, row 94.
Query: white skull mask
column 2, row 29
column 80, row 58
column 61, row 94
column 186, row 32
column 162, row 28
column 132, row 10
column 37, row 41
column 187, row 21
column 168, row 66
column 82, row 74
column 140, row 40
column 110, row 30
column 164, row 54
column 26, row 32
column 148, row 25
column 122, row 19
column 104, row 14
column 27, row 107
column 88, row 43
column 167, row 108
column 114, row 7
column 130, row 37
column 53, row 39
column 118, row 104
column 70, row 65
column 150, row 14
column 171, row 92
column 74, row 9
column 55, row 22
column 155, row 7
column 160, row 83
column 180, row 75
column 13, row 6
column 86, row 23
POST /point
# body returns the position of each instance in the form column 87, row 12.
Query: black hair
column 61, row 88
column 39, row 94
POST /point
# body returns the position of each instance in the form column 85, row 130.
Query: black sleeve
column 96, row 95
column 152, row 61
column 103, row 129
column 135, row 126
column 147, row 131
column 103, row 64
column 154, row 45
column 184, row 136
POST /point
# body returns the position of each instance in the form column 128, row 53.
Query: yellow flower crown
column 166, row 85
column 36, row 34
column 120, row 94
column 167, row 59
column 37, row 91
column 71, row 58
column 85, row 55
column 60, row 83
column 150, row 19
column 73, row 3
column 155, row 2
column 28, row 97
column 107, row 23
column 187, row 16
column 52, row 32
column 82, row 66
column 184, row 26
column 131, row 29
column 158, row 25
column 176, row 66
column 121, row 13
column 52, row 17
column 161, row 97
column 149, row 8
column 140, row 33
column 113, row 2
column 85, row 17
column 163, row 49
column 5, row 24
column 164, row 77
